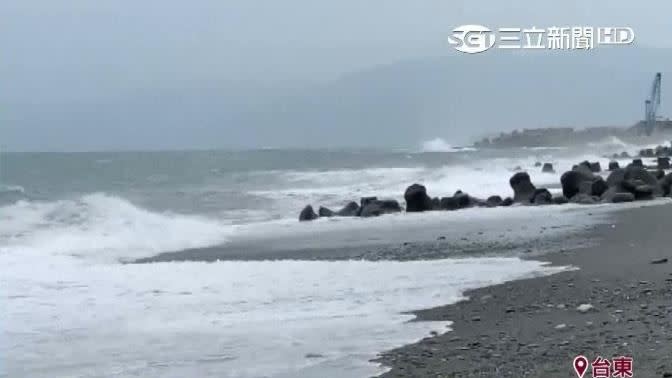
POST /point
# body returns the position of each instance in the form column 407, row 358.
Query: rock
column 660, row 174
column 624, row 155
column 583, row 181
column 584, row 199
column 635, row 180
column 537, row 164
column 350, row 210
column 458, row 201
column 613, row 165
column 366, row 200
column 542, row 197
column 508, row 201
column 307, row 214
column 659, row 261
column 646, row 152
column 417, row 199
column 663, row 163
column 585, row 308
column 637, row 163
column 548, row 168
column 560, row 200
column 523, row 188
column 374, row 208
column 666, row 184
column 643, row 191
column 493, row 201
column 595, row 167
column 325, row 212
column 614, row 196
column 598, row 187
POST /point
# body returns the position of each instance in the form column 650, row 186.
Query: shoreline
column 531, row 327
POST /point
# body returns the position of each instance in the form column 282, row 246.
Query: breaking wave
column 612, row 144
column 103, row 228
column 440, row 145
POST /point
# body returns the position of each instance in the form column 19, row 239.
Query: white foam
column 103, row 228
column 226, row 319
column 479, row 178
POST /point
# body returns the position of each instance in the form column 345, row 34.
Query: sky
column 73, row 70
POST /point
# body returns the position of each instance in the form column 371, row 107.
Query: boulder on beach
column 666, row 184
column 494, row 201
column 615, row 196
column 537, row 164
column 622, row 197
column 637, row 163
column 592, row 167
column 523, row 189
column 366, row 200
column 636, row 180
column 307, row 214
column 560, row 200
column 584, row 199
column 663, row 151
column 375, row 207
column 325, row 212
column 548, row 168
column 417, row 199
column 582, row 180
column 664, row 162
column 458, row 201
column 647, row 152
column 349, row 210
column 542, row 197
column 613, row 165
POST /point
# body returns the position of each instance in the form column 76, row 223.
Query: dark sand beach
column 532, row 328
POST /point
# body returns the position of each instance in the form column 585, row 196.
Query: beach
column 532, row 327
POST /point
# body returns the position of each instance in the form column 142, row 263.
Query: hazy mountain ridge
column 457, row 97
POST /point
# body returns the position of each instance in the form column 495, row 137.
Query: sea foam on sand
column 225, row 319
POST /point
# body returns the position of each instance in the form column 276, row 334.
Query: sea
column 74, row 303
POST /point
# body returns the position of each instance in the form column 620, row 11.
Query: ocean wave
column 103, row 228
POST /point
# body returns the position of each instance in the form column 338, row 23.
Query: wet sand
column 532, row 328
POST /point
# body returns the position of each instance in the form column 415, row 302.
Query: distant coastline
column 568, row 136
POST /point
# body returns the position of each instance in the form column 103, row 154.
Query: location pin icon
column 580, row 365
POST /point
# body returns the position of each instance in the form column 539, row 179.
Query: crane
column 651, row 105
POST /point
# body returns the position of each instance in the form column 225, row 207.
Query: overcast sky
column 59, row 53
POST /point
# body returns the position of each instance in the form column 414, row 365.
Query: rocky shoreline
column 583, row 185
column 618, row 303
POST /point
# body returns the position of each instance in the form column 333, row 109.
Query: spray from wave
column 102, row 228
column 612, row 144
column 440, row 145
